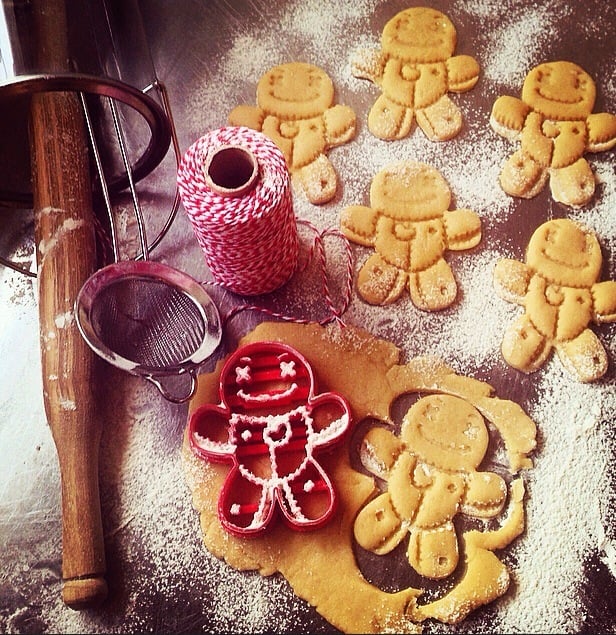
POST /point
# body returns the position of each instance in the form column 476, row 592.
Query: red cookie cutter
column 270, row 426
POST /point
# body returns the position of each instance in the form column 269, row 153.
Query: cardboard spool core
column 231, row 170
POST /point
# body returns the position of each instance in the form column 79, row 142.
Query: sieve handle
column 66, row 256
column 174, row 397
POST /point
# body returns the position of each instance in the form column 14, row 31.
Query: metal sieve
column 151, row 320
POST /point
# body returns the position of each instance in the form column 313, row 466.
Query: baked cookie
column 415, row 69
column 559, row 290
column 367, row 371
column 555, row 127
column 429, row 482
column 295, row 108
column 410, row 227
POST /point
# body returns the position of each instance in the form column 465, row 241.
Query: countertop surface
column 161, row 579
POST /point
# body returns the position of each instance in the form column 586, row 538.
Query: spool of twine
column 235, row 187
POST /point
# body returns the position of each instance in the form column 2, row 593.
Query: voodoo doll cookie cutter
column 271, row 426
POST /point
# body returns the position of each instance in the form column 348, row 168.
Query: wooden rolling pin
column 66, row 257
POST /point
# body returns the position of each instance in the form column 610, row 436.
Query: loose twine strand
column 317, row 249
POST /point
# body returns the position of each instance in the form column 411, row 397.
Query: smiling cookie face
column 560, row 90
column 295, row 91
column 410, row 191
column 565, row 254
column 446, row 432
column 419, row 35
column 266, row 379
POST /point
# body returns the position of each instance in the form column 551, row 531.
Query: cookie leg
column 379, row 282
column 522, row 176
column 388, row 120
column 523, row 347
column 244, row 506
column 378, row 527
column 317, row 180
column 441, row 121
column 573, row 185
column 433, row 552
column 584, row 357
column 434, row 288
column 308, row 499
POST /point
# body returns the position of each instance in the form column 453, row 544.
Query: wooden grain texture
column 66, row 257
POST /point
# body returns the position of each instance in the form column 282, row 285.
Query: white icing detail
column 215, row 446
column 277, row 432
column 267, row 397
column 287, row 369
column 272, row 423
column 272, row 436
column 242, row 375
column 235, row 509
column 334, row 428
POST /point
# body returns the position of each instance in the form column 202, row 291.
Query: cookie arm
column 368, row 63
column 358, row 223
column 508, row 116
column 380, row 449
column 511, row 279
column 463, row 229
column 209, row 433
column 339, row 125
column 331, row 415
column 604, row 301
column 462, row 72
column 601, row 131
column 245, row 115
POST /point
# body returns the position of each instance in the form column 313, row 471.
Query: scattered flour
column 170, row 583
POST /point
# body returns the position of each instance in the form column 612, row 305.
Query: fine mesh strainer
column 151, row 320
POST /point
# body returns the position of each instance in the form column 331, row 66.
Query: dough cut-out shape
column 558, row 286
column 266, row 427
column 321, row 565
column 410, row 226
column 295, row 108
column 554, row 125
column 431, row 474
column 415, row 68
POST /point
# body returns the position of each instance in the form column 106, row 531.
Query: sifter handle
column 66, row 257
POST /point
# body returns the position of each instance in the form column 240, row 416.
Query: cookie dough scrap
column 295, row 108
column 367, row 371
column 558, row 286
column 555, row 127
column 410, row 227
column 415, row 68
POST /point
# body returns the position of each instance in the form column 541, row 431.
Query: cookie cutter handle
column 174, row 397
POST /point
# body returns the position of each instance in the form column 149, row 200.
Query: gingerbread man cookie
column 415, row 69
column 431, row 474
column 410, row 228
column 559, row 290
column 555, row 127
column 268, row 427
column 295, row 108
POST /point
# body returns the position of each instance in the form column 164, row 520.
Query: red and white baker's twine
column 251, row 242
